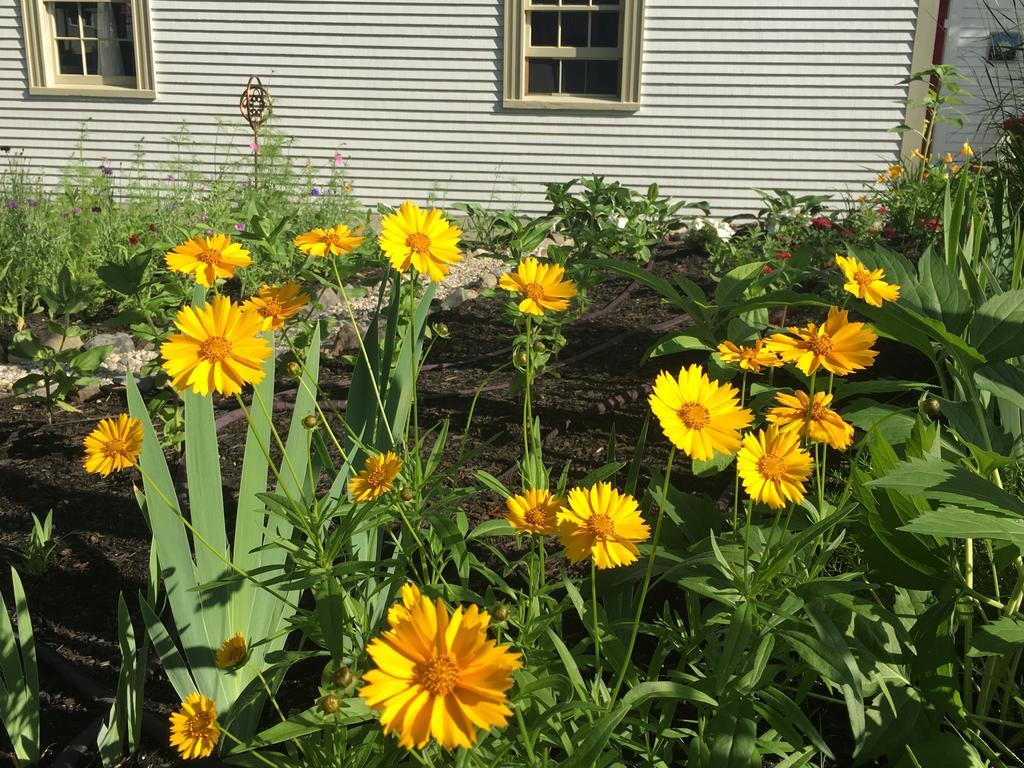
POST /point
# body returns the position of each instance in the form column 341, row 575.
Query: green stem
column 597, row 632
column 647, row 579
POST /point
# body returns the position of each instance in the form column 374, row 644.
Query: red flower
column 932, row 225
column 768, row 270
column 96, row 209
column 783, row 255
column 134, row 239
column 882, row 210
column 846, row 232
column 889, row 232
column 872, row 231
column 821, row 222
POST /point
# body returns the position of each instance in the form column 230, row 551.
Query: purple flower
column 106, row 170
column 76, row 210
column 172, row 207
column 63, row 214
column 12, row 206
column 203, row 216
column 169, row 177
column 31, row 203
column 209, row 233
column 314, row 192
column 240, row 227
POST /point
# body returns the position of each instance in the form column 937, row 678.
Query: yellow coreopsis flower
column 541, row 285
column 751, row 359
column 336, row 241
column 194, row 729
column 377, row 477
column 967, row 150
column 866, row 284
column 276, row 304
column 219, row 349
column 601, row 523
column 534, row 511
column 208, row 258
column 114, row 444
column 437, row 674
column 773, row 467
column 837, row 345
column 697, row 415
column 424, row 240
column 817, row 422
column 232, row 652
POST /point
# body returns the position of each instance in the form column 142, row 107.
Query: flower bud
column 330, row 704
column 310, row 421
column 342, row 677
column 539, row 346
column 931, row 406
column 294, row 368
column 441, row 330
column 500, row 613
column 406, row 494
column 521, row 358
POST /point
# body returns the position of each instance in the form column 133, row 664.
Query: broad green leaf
column 998, row 327
column 734, row 283
column 1003, row 380
column 958, row 523
column 945, row 482
column 733, row 735
column 1005, row 635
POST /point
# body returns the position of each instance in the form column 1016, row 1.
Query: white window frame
column 518, row 48
column 45, row 78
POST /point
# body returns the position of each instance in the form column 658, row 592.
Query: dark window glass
column 574, row 29
column 91, row 58
column 604, row 30
column 603, row 78
column 88, row 15
column 69, row 57
column 545, row 2
column 607, row 2
column 128, row 58
column 542, row 75
column 575, row 2
column 544, row 28
column 66, row 16
column 122, row 13
column 574, row 76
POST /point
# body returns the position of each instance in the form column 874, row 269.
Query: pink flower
column 889, row 232
column 254, row 146
column 820, row 222
column 338, row 160
column 846, row 232
column 883, row 210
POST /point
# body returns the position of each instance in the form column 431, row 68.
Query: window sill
column 570, row 103
column 93, row 91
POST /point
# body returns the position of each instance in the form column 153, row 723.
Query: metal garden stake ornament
column 255, row 106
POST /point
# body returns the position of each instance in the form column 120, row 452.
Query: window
column 98, row 48
column 573, row 54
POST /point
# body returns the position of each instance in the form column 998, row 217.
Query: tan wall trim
column 924, row 52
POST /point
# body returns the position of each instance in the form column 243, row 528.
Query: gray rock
column 120, row 343
column 346, row 340
column 146, row 384
column 489, row 281
column 330, row 298
column 56, row 341
column 91, row 392
column 459, row 296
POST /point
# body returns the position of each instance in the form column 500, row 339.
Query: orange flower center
column 536, row 518
column 115, row 448
column 377, row 478
column 600, row 526
column 771, row 467
column 694, row 415
column 272, row 307
column 440, row 675
column 862, row 278
column 198, row 726
column 334, row 239
column 820, row 345
column 208, row 256
column 419, row 243
column 215, row 349
column 534, row 291
column 818, row 412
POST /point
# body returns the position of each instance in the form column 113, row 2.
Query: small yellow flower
column 219, row 349
column 113, row 445
column 276, row 304
column 377, row 478
column 919, row 155
column 437, row 674
column 751, row 359
column 817, row 422
column 601, row 523
column 837, row 345
column 232, row 652
column 895, row 171
column 541, row 285
column 194, row 729
column 866, row 284
column 773, row 467
column 954, row 169
column 208, row 258
column 699, row 416
column 423, row 240
column 336, row 241
column 948, row 158
column 882, row 179
column 534, row 511
column 967, row 151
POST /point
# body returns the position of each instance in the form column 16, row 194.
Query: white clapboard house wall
column 733, row 95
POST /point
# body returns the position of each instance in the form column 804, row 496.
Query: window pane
column 544, row 28
column 574, row 29
column 122, row 22
column 604, row 30
column 128, row 57
column 114, row 58
column 545, row 2
column 574, row 76
column 542, row 75
column 69, row 57
column 91, row 66
column 66, row 16
column 575, row 2
column 88, row 13
column 603, row 78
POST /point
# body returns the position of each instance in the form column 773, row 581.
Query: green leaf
column 892, row 422
column 491, row 528
column 735, row 282
column 941, row 295
column 713, row 466
column 1000, row 637
column 733, row 735
column 998, row 327
column 680, row 341
column 89, row 360
column 1003, row 380
column 945, row 482
column 959, row 523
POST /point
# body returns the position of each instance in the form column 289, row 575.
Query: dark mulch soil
column 599, row 382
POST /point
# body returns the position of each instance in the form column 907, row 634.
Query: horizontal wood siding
column 736, row 95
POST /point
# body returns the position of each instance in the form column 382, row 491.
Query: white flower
column 621, row 222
